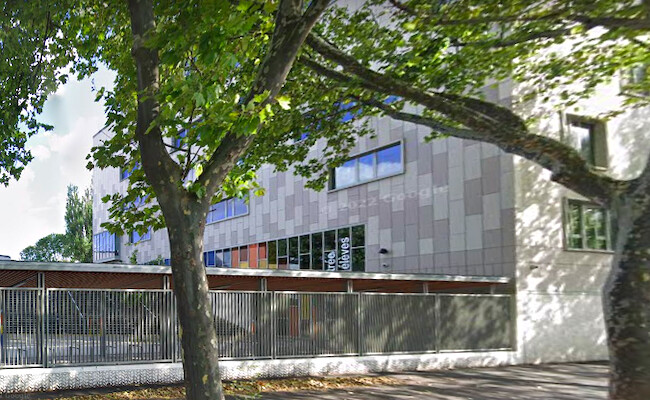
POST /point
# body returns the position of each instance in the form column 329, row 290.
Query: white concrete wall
column 559, row 291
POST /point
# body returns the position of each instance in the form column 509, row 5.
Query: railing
column 56, row 327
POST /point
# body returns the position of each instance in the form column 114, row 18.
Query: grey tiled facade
column 451, row 210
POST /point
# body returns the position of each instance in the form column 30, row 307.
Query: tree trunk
column 198, row 334
column 627, row 307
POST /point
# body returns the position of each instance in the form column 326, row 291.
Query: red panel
column 252, row 256
column 235, row 257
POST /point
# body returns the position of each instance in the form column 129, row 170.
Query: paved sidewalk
column 549, row 381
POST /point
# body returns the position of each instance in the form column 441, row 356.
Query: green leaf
column 284, row 102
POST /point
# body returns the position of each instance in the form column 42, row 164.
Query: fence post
column 274, row 327
column 436, row 322
column 102, row 326
column 360, row 315
column 43, row 319
column 174, row 327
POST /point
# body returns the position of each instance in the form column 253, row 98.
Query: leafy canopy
column 49, row 248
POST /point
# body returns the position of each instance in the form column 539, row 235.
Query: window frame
column 275, row 244
column 375, row 166
column 148, row 235
column 598, row 138
column 584, row 205
column 226, row 201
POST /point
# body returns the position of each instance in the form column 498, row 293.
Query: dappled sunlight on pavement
column 551, row 381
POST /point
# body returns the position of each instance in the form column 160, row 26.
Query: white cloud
column 35, row 206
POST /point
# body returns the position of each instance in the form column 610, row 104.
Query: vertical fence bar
column 274, row 326
column 360, row 317
column 436, row 322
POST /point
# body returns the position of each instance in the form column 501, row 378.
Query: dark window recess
column 589, row 138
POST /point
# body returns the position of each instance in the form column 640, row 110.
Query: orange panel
column 235, row 258
column 252, row 256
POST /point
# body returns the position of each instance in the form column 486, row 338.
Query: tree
column 79, row 225
column 214, row 71
column 211, row 68
column 76, row 243
column 424, row 62
column 49, row 248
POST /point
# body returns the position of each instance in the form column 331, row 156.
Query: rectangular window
column 317, row 251
column 588, row 227
column 380, row 163
column 125, row 172
column 273, row 254
column 178, row 140
column 105, row 246
column 243, row 257
column 589, row 138
column 229, row 208
column 634, row 81
column 293, row 253
column 226, row 258
column 135, row 237
column 209, row 259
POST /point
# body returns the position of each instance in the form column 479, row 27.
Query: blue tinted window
column 226, row 258
column 208, row 258
column 217, row 212
column 389, row 161
column 136, row 237
column 241, row 207
column 377, row 164
column 178, row 141
column 345, row 175
column 125, row 172
column 366, row 167
column 226, row 209
column 104, row 245
column 229, row 208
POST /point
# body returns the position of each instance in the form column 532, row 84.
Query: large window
column 126, row 172
column 588, row 227
column 225, row 209
column 105, row 246
column 366, row 167
column 589, row 138
column 634, row 81
column 340, row 249
column 135, row 237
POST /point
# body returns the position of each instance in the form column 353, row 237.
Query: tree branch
column 289, row 34
column 485, row 121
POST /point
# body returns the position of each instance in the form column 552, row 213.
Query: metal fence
column 93, row 327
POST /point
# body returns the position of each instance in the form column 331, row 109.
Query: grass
column 252, row 388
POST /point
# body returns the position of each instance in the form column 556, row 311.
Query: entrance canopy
column 122, row 276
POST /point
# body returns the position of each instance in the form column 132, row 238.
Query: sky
column 34, row 206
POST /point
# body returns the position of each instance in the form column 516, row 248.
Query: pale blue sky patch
column 35, row 206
